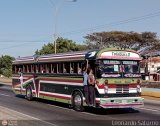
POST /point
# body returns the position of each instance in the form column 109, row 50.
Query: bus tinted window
column 111, row 68
column 131, row 68
column 111, row 62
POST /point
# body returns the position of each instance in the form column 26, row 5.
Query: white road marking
column 151, row 101
column 34, row 118
column 92, row 114
column 60, row 107
column 154, row 110
column 5, row 95
column 87, row 113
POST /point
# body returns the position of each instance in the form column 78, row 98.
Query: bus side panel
column 57, row 92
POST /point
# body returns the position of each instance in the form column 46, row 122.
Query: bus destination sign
column 121, row 54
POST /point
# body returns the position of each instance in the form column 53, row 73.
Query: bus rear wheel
column 29, row 93
column 78, row 102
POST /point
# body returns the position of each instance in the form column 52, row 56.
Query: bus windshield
column 131, row 69
column 130, row 66
column 118, row 67
column 111, row 66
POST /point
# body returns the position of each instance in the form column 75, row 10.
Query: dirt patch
column 5, row 80
column 151, row 98
column 151, row 84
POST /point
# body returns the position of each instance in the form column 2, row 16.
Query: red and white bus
column 59, row 77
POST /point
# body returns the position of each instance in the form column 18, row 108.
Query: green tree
column 63, row 45
column 6, row 65
column 132, row 40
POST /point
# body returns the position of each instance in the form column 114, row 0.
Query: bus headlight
column 105, row 89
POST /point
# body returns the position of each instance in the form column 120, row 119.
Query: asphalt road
column 42, row 112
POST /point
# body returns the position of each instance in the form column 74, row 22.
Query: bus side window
column 36, row 68
column 50, row 68
column 79, row 68
column 15, row 69
column 24, row 69
column 29, row 68
column 32, row 68
column 53, row 68
column 42, row 69
column 75, row 67
column 60, row 68
column 67, row 67
column 47, row 67
column 57, row 68
column 71, row 68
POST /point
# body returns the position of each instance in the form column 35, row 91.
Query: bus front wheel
column 29, row 93
column 77, row 102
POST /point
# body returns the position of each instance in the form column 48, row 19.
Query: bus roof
column 79, row 55
column 106, row 53
column 27, row 59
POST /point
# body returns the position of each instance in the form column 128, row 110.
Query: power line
column 14, row 46
column 147, row 16
column 17, row 41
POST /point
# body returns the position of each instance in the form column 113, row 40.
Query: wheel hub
column 77, row 100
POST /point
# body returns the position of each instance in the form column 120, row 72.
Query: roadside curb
column 152, row 92
column 152, row 101
column 3, row 84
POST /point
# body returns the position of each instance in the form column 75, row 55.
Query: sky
column 26, row 25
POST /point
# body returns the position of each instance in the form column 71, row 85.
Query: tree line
column 6, row 65
column 96, row 40
column 132, row 40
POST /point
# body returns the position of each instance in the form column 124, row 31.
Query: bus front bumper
column 122, row 102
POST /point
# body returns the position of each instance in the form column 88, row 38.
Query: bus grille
column 122, row 90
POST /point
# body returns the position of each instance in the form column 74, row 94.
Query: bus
column 59, row 77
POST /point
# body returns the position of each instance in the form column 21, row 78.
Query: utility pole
column 56, row 10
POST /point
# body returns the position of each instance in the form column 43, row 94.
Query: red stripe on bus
column 133, row 86
column 97, row 101
column 57, row 96
column 101, row 86
column 115, row 85
column 109, row 86
column 112, row 86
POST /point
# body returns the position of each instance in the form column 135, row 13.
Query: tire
column 77, row 102
column 29, row 96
